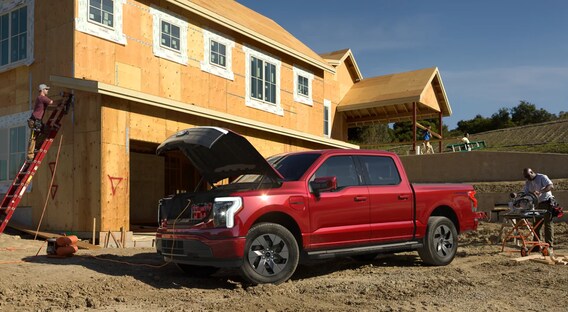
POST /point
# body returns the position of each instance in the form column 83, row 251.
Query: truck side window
column 341, row 167
column 381, row 170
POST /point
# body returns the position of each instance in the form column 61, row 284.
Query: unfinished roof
column 237, row 17
column 390, row 98
column 335, row 58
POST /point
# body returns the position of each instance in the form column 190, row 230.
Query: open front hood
column 218, row 153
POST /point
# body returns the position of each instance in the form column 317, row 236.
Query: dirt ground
column 481, row 278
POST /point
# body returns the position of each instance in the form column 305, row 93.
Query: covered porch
column 409, row 96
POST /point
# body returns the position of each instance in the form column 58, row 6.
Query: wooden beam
column 432, row 132
column 46, row 235
column 385, row 118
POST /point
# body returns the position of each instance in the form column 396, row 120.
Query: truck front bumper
column 196, row 250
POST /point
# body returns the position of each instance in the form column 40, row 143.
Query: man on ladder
column 35, row 122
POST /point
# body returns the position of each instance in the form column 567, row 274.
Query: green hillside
column 548, row 137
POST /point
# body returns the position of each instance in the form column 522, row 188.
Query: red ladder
column 24, row 177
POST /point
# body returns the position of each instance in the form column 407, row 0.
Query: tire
column 524, row 251
column 197, row 270
column 440, row 242
column 545, row 252
column 271, row 254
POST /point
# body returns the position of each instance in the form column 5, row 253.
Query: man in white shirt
column 540, row 185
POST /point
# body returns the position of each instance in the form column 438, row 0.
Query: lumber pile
column 551, row 260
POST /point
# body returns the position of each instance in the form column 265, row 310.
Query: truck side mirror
column 323, row 184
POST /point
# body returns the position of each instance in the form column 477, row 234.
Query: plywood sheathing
column 390, row 98
column 253, row 25
column 346, row 58
column 184, row 108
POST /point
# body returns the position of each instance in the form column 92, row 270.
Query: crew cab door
column 340, row 216
column 391, row 199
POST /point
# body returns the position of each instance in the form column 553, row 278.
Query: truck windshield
column 291, row 167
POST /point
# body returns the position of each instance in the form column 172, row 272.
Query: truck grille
column 172, row 247
column 178, row 210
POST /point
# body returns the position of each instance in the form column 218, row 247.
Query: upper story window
column 16, row 34
column 101, row 18
column 262, row 81
column 326, row 118
column 217, row 55
column 169, row 35
column 102, row 12
column 303, row 86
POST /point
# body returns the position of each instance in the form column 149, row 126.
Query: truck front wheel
column 440, row 242
column 271, row 254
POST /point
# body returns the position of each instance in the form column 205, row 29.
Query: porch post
column 414, row 127
column 440, row 132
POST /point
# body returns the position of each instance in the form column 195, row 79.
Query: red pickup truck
column 304, row 205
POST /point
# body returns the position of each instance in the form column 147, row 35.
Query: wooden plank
column 128, row 76
column 115, row 180
column 147, row 123
column 46, row 235
column 170, row 80
column 86, row 180
column 529, row 257
column 114, row 120
column 544, row 260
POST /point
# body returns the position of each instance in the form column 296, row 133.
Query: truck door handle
column 403, row 197
column 360, row 198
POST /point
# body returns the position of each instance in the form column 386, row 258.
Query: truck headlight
column 224, row 210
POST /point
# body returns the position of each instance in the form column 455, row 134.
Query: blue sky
column 491, row 54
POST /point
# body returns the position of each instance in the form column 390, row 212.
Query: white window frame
column 85, row 25
column 327, row 104
column 178, row 50
column 6, row 123
column 298, row 97
column 206, row 65
column 274, row 108
column 159, row 15
column 8, row 8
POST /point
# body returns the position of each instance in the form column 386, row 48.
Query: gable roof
column 390, row 98
column 335, row 58
column 237, row 17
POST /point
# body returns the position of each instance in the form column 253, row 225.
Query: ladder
column 29, row 167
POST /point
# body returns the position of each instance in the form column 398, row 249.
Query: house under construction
column 141, row 70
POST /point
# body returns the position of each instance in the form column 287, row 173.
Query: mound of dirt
column 481, row 278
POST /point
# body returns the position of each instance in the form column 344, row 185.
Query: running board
column 385, row 248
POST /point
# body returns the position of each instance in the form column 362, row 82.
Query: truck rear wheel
column 271, row 254
column 440, row 242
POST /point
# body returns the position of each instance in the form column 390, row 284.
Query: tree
column 526, row 113
column 501, row 119
column 475, row 125
column 372, row 134
column 403, row 130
